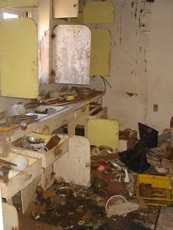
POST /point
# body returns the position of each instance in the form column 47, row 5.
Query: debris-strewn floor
column 77, row 208
column 68, row 206
column 165, row 219
column 27, row 223
column 112, row 202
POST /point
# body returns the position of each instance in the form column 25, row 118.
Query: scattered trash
column 136, row 159
column 148, row 135
column 35, row 142
column 110, row 202
column 130, row 136
column 119, row 206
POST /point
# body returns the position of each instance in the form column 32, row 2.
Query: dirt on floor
column 67, row 206
column 27, row 223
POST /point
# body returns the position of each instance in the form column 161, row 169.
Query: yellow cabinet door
column 18, row 58
column 65, row 8
column 100, row 52
column 103, row 132
column 18, row 3
column 99, row 12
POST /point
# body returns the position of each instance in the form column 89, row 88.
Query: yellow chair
column 103, row 132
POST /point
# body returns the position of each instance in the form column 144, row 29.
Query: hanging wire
column 105, row 82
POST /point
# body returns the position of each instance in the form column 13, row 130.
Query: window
column 6, row 15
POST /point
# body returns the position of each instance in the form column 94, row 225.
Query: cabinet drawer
column 48, row 157
column 18, row 180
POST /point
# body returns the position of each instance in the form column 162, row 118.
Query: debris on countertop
column 22, row 114
column 37, row 142
column 68, row 95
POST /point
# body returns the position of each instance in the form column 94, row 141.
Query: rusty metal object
column 4, row 162
column 53, row 142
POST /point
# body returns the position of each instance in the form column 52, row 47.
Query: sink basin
column 45, row 110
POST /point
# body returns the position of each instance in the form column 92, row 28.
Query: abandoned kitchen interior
column 86, row 125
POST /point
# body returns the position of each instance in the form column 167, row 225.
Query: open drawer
column 47, row 157
column 20, row 178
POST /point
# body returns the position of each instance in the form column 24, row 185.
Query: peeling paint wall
column 160, row 64
column 142, row 63
column 127, row 100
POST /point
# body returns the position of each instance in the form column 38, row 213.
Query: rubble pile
column 161, row 158
column 111, row 202
column 75, row 207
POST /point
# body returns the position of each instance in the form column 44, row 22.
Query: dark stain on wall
column 150, row 1
column 132, row 4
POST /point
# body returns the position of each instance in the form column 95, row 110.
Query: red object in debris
column 102, row 165
column 102, row 162
column 101, row 168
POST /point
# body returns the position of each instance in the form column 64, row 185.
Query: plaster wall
column 142, row 63
column 160, row 64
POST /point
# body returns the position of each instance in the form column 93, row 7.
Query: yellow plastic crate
column 154, row 190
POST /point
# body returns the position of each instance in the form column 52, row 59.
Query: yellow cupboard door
column 18, row 58
column 18, row 3
column 98, row 12
column 103, row 132
column 100, row 52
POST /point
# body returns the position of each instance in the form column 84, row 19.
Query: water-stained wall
column 160, row 64
column 142, row 63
